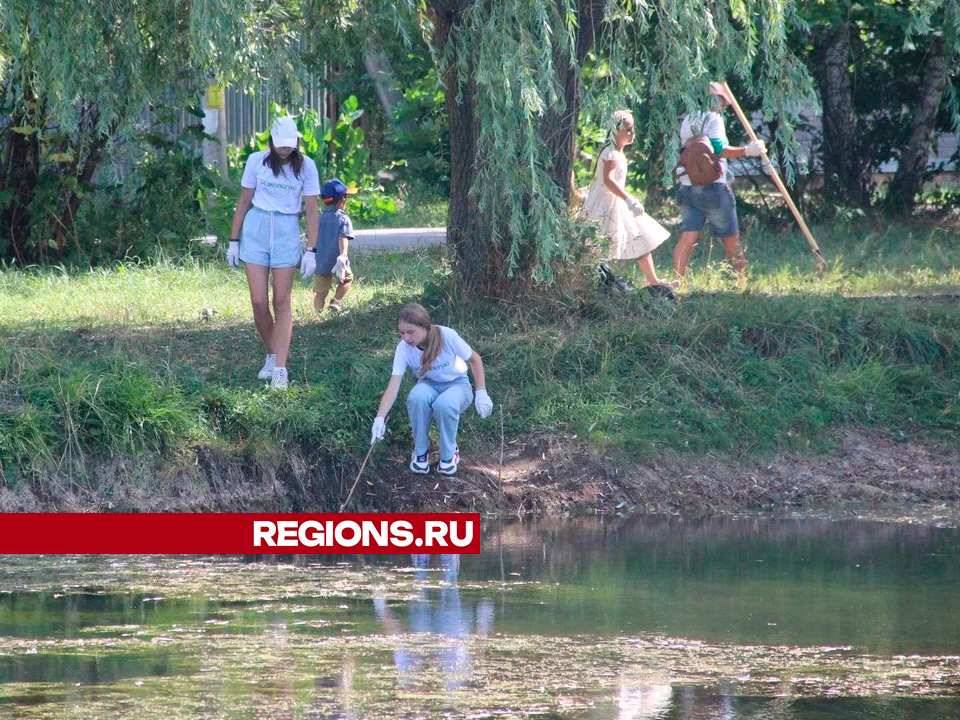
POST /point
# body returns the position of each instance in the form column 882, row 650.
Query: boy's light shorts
column 270, row 238
column 323, row 283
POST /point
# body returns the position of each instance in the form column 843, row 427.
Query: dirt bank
column 539, row 474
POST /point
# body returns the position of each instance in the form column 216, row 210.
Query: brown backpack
column 699, row 162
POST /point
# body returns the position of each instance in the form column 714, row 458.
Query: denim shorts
column 271, row 239
column 713, row 203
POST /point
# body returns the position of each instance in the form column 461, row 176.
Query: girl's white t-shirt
column 279, row 193
column 451, row 362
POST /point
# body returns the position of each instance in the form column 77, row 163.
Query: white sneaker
column 449, row 467
column 420, row 464
column 278, row 381
column 266, row 372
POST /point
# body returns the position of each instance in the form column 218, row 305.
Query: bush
column 159, row 207
column 421, row 137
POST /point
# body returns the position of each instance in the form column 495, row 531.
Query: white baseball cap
column 284, row 132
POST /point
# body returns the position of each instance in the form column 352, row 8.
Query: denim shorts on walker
column 271, row 239
column 712, row 203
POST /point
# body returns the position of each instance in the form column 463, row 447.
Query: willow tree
column 77, row 77
column 886, row 75
column 512, row 74
column 934, row 24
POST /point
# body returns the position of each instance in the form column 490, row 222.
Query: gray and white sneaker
column 278, row 381
column 449, row 467
column 420, row 464
column 266, row 372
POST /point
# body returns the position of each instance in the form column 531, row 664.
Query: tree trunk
column 480, row 262
column 560, row 124
column 912, row 164
column 843, row 171
column 465, row 234
column 20, row 174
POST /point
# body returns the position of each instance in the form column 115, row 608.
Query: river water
column 640, row 618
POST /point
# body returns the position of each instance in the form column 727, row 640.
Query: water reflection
column 442, row 613
column 640, row 619
column 643, row 703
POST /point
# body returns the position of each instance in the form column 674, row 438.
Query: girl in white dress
column 632, row 233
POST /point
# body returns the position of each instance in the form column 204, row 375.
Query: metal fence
column 248, row 114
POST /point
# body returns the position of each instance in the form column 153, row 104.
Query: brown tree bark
column 912, row 164
column 480, row 263
column 20, row 173
column 464, row 231
column 560, row 124
column 844, row 172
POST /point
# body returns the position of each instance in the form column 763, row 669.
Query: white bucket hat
column 284, row 132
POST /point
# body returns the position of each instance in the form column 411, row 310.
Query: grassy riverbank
column 149, row 370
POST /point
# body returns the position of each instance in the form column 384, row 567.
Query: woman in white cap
column 266, row 236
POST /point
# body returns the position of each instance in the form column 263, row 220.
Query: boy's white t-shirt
column 713, row 127
column 451, row 362
column 279, row 193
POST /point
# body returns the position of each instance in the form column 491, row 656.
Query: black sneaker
column 664, row 291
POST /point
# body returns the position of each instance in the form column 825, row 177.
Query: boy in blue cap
column 327, row 256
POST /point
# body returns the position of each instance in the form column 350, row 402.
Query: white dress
column 629, row 238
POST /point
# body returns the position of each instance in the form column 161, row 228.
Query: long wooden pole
column 821, row 261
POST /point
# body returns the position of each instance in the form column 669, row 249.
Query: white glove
column 233, row 254
column 379, row 430
column 636, row 207
column 755, row 148
column 341, row 266
column 483, row 403
column 308, row 264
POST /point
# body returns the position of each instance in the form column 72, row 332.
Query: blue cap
column 333, row 190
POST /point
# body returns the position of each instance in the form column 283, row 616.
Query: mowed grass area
column 157, row 359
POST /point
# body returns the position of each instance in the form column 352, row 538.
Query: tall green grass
column 157, row 359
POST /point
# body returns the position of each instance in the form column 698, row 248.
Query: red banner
column 238, row 533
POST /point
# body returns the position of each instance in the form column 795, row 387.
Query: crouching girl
column 439, row 357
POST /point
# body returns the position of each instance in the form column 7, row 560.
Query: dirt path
column 542, row 475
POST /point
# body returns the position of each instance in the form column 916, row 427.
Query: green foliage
column 77, row 78
column 159, row 207
column 158, row 359
column 338, row 150
column 62, row 415
column 421, row 136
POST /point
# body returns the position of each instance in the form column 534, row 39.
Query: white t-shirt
column 281, row 192
column 709, row 124
column 451, row 362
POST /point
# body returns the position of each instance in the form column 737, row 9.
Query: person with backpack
column 704, row 192
column 621, row 216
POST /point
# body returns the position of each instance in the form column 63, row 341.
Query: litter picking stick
column 821, row 261
column 350, row 494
